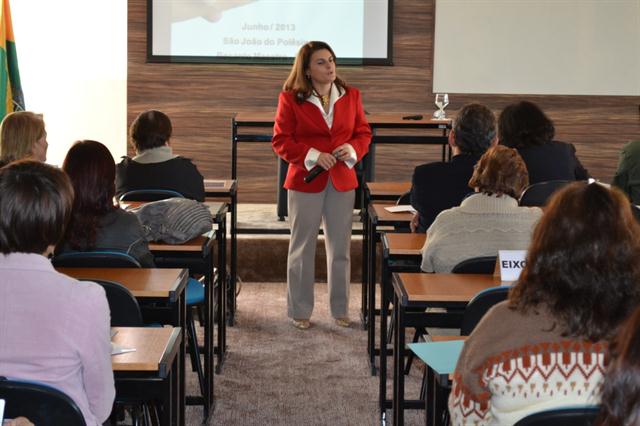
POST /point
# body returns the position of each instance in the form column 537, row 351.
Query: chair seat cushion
column 195, row 292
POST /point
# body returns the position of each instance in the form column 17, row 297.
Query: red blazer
column 300, row 126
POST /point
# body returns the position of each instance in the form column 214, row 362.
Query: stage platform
column 263, row 242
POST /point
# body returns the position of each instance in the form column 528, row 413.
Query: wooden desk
column 377, row 216
column 152, row 372
column 149, row 286
column 228, row 190
column 400, row 253
column 197, row 255
column 391, row 191
column 438, row 386
column 417, row 290
column 375, row 191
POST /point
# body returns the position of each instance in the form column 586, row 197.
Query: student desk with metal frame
column 159, row 292
column 378, row 216
column 400, row 253
column 374, row 191
column 152, row 372
column 419, row 290
column 228, row 189
column 197, row 255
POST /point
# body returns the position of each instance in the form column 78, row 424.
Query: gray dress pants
column 306, row 210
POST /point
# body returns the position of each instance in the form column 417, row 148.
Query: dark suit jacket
column 178, row 174
column 552, row 161
column 439, row 186
column 300, row 127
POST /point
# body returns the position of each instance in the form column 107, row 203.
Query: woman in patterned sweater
column 544, row 348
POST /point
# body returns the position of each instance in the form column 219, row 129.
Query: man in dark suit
column 439, row 186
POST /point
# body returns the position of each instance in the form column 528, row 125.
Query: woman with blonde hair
column 22, row 135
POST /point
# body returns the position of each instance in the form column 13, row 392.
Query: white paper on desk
column 403, row 208
column 117, row 349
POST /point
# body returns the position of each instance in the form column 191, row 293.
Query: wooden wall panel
column 202, row 98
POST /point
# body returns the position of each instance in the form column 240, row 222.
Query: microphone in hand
column 315, row 172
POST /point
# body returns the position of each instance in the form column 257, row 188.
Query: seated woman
column 55, row 329
column 22, row 135
column 487, row 221
column 620, row 399
column 525, row 127
column 627, row 176
column 155, row 166
column 545, row 347
column 97, row 223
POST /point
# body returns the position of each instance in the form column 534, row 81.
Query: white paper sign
column 511, row 263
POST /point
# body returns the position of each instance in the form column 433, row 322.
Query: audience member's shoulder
column 430, row 168
column 499, row 319
column 632, row 148
column 124, row 160
column 82, row 290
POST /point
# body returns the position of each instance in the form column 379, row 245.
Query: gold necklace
column 324, row 99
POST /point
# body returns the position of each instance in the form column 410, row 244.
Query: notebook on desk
column 116, row 349
column 403, row 208
column 442, row 357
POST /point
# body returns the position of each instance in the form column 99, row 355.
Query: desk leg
column 384, row 282
column 398, row 363
column 179, row 369
column 231, row 295
column 221, row 235
column 208, row 338
column 365, row 267
column 371, row 289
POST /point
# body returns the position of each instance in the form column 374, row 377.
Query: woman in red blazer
column 320, row 123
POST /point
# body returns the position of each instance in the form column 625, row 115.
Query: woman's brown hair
column 35, row 206
column 19, row 131
column 92, row 171
column 297, row 80
column 500, row 171
column 582, row 263
column 620, row 398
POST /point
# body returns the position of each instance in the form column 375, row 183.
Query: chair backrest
column 404, row 199
column 476, row 265
column 538, row 193
column 95, row 259
column 479, row 305
column 577, row 416
column 125, row 311
column 41, row 404
column 149, row 195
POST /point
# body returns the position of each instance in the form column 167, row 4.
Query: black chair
column 479, row 305
column 95, row 259
column 149, row 195
column 125, row 311
column 577, row 416
column 114, row 259
column 41, row 404
column 404, row 199
column 536, row 195
column 476, row 265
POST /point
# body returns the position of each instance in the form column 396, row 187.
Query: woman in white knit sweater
column 487, row 221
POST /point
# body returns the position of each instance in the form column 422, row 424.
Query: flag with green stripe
column 11, row 97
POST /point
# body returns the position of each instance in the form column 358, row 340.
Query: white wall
column 561, row 47
column 73, row 66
